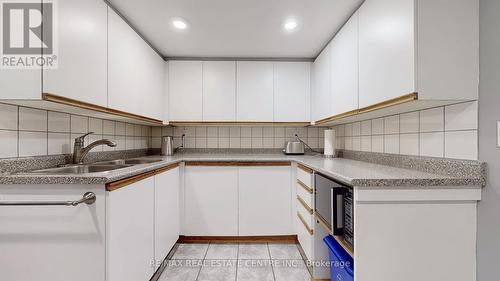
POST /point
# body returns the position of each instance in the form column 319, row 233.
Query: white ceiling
column 238, row 28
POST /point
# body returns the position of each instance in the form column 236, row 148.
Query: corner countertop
column 350, row 172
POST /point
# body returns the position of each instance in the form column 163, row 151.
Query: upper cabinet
column 185, row 90
column 321, row 85
column 81, row 73
column 255, row 83
column 386, row 50
column 135, row 71
column 344, row 68
column 392, row 52
column 292, row 91
column 219, row 91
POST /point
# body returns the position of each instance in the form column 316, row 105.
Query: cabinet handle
column 88, row 198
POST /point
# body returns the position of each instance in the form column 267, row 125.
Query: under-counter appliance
column 334, row 205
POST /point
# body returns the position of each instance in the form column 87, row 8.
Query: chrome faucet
column 79, row 151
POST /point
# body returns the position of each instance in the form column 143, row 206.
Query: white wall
column 489, row 114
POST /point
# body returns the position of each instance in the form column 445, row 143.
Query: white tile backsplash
column 34, row 120
column 9, row 114
column 8, row 144
column 32, row 143
column 416, row 133
column 432, row 120
column 39, row 132
column 59, row 122
column 461, row 145
column 409, row 122
column 79, row 124
column 432, row 144
column 461, row 116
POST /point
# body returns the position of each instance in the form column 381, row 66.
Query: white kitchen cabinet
column 265, row 201
column 321, row 98
column 82, row 53
column 386, row 50
column 52, row 242
column 135, row 71
column 167, row 224
column 344, row 68
column 211, row 201
column 219, row 91
column 292, row 91
column 185, row 90
column 254, row 91
column 130, row 231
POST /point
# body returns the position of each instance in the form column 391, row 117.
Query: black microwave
column 334, row 204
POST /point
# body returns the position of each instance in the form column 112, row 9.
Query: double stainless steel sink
column 98, row 167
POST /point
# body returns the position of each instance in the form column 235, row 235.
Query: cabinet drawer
column 305, row 193
column 305, row 211
column 305, row 238
column 305, row 175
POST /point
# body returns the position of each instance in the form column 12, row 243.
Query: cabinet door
column 19, row 83
column 130, row 236
column 123, row 49
column 82, row 46
column 150, row 70
column 255, row 91
column 211, row 201
column 166, row 213
column 321, row 87
column 292, row 91
column 54, row 243
column 185, row 90
column 219, row 91
column 265, row 201
column 386, row 50
column 344, row 68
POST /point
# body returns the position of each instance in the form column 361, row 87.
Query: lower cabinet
column 130, row 232
column 166, row 213
column 233, row 200
column 211, row 201
column 265, row 201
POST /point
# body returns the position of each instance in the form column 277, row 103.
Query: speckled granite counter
column 351, row 172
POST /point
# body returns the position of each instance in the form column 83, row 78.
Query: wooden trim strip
column 305, row 187
column 166, row 168
column 98, row 108
column 337, row 117
column 236, row 123
column 128, row 181
column 323, row 223
column 289, row 239
column 311, row 232
column 387, row 103
column 236, row 164
column 305, row 169
column 304, row 204
column 344, row 245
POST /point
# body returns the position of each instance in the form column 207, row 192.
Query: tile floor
column 236, row 262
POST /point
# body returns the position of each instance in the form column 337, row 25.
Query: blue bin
column 342, row 264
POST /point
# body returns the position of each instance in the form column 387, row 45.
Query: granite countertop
column 351, row 172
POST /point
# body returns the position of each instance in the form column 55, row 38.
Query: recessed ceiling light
column 179, row 23
column 290, row 25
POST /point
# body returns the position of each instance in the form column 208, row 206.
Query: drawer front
column 305, row 175
column 305, row 239
column 305, row 193
column 306, row 212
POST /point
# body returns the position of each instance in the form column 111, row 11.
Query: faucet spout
column 80, row 151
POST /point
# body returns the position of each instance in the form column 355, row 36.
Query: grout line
column 270, row 259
